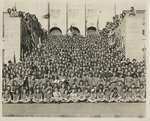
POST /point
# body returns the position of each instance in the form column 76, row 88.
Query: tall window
column 143, row 32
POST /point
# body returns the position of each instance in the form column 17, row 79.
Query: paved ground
column 76, row 110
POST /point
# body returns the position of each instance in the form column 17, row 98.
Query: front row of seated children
column 76, row 95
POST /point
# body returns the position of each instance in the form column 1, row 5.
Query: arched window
column 55, row 31
column 91, row 30
column 76, row 29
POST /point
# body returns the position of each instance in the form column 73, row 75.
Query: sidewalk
column 112, row 110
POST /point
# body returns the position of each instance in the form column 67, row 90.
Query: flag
column 71, row 29
column 46, row 16
column 98, row 24
column 14, row 58
column 85, row 26
column 39, row 44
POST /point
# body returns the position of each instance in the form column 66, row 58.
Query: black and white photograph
column 74, row 59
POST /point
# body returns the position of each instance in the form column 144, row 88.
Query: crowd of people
column 75, row 69
column 31, row 29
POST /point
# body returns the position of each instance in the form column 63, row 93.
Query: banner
column 58, row 15
column 12, row 38
column 134, row 44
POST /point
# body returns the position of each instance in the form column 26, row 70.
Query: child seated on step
column 38, row 96
column 107, row 93
column 130, row 95
column 100, row 95
column 86, row 94
column 48, row 96
column 93, row 97
column 16, row 96
column 6, row 97
column 24, row 96
column 57, row 95
column 30, row 96
column 123, row 95
column 80, row 94
column 73, row 96
column 65, row 96
column 114, row 97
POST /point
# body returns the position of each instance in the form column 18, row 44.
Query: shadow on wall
column 91, row 31
column 55, row 31
column 76, row 30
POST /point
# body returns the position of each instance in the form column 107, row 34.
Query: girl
column 55, row 86
column 135, row 80
column 6, row 97
column 119, row 71
column 48, row 97
column 7, row 80
column 114, row 78
column 119, row 86
column 107, row 94
column 93, row 96
column 16, row 96
column 142, row 79
column 143, row 91
column 81, row 85
column 30, row 96
column 38, row 96
column 87, row 86
column 115, row 95
column 86, row 95
column 133, row 87
column 74, row 86
column 24, row 96
column 84, row 76
column 43, row 90
column 80, row 94
column 121, row 78
column 69, row 89
column 48, row 86
column 62, row 89
column 125, row 72
column 128, row 80
column 41, row 85
column 65, row 96
column 129, row 95
column 101, row 81
column 31, row 82
column 74, row 82
column 123, row 96
column 57, row 96
column 14, row 86
column 137, row 96
column 73, row 96
column 100, row 95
